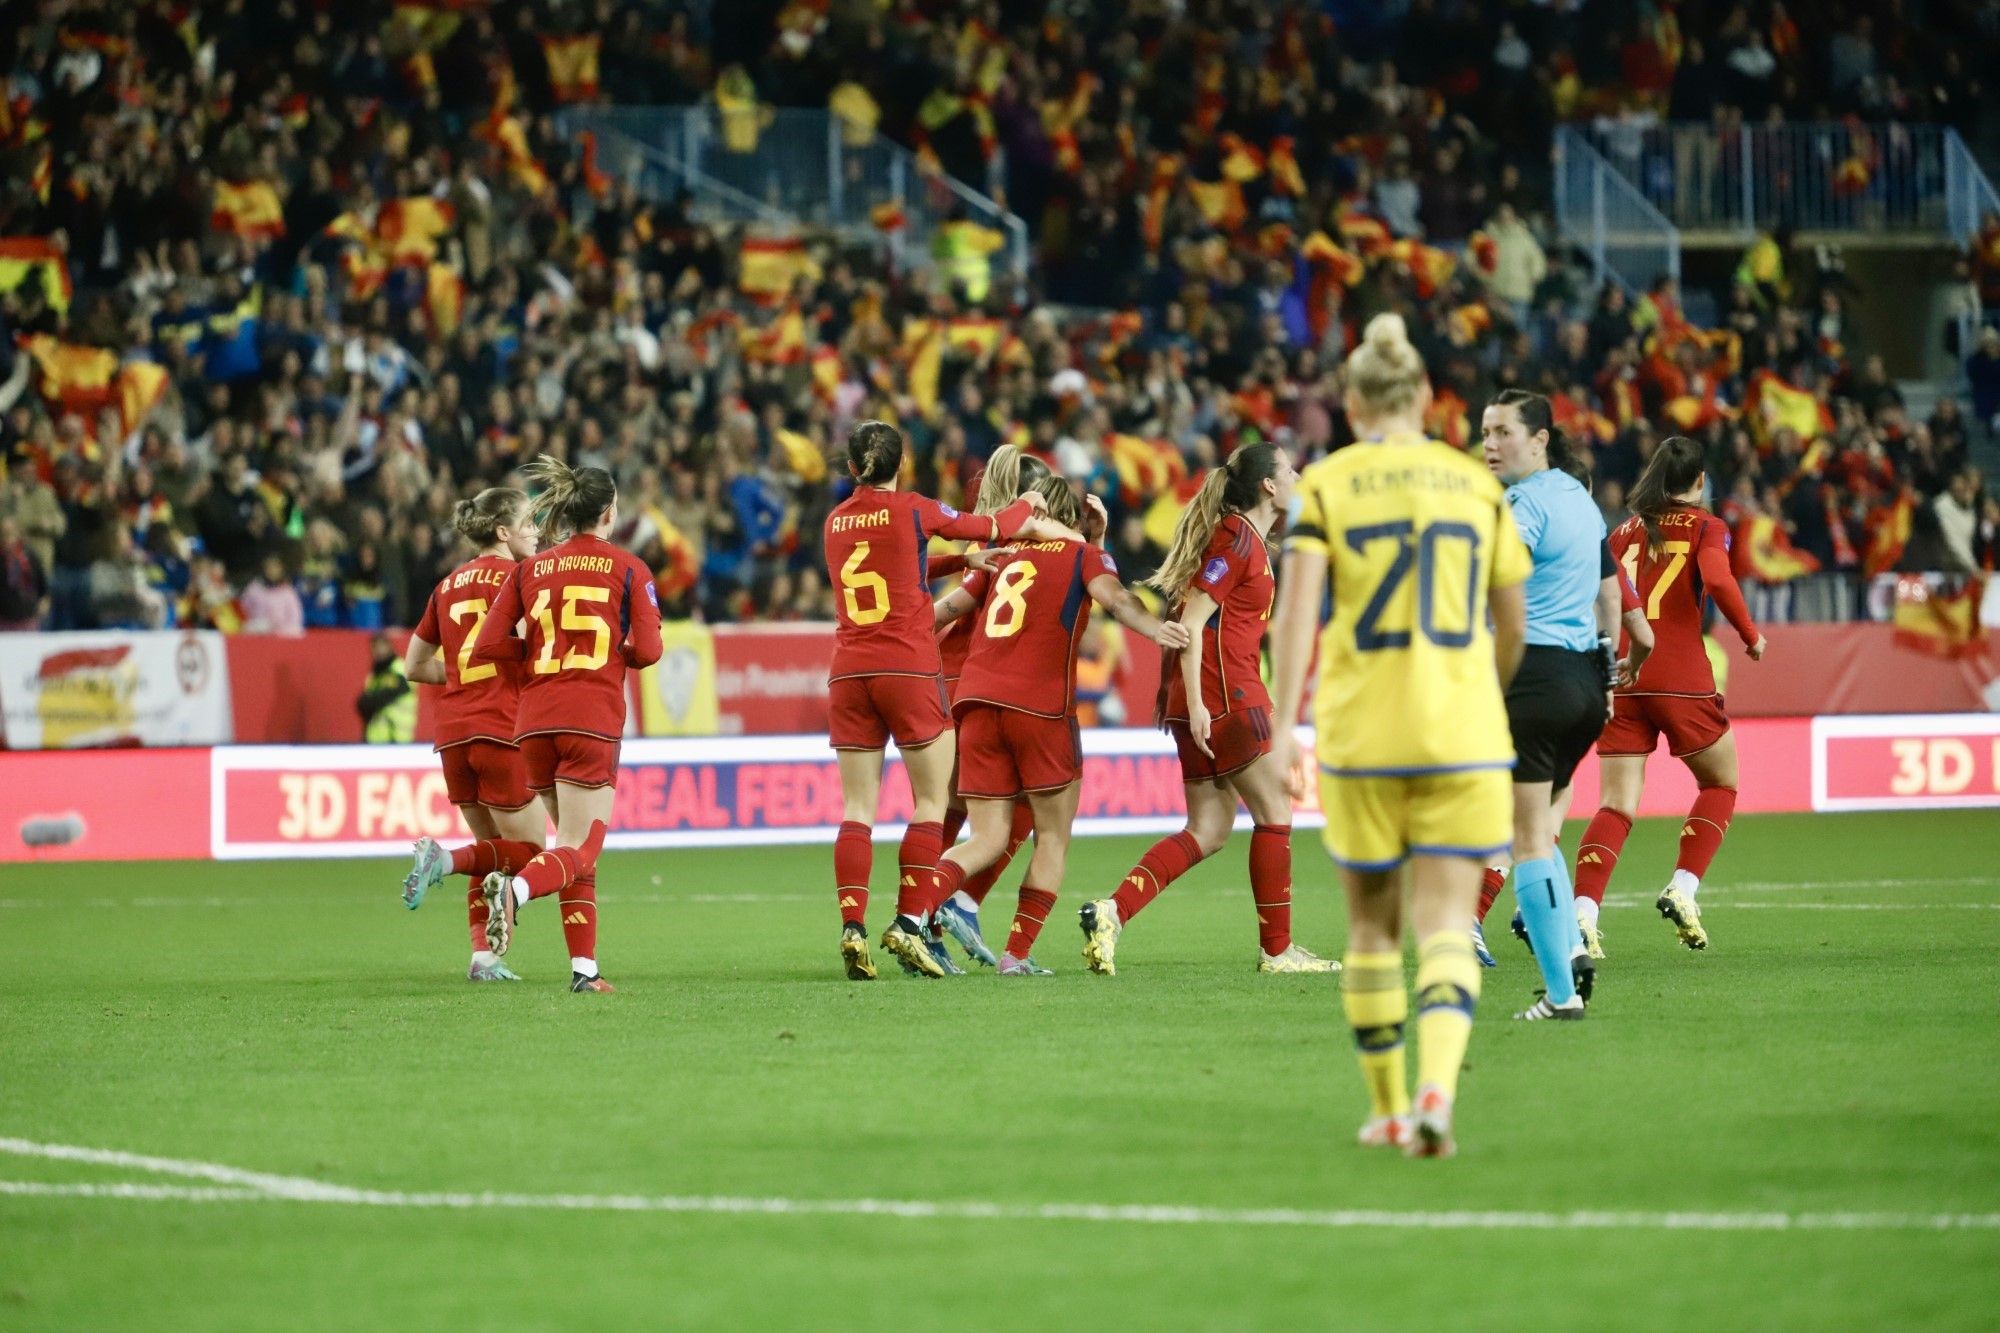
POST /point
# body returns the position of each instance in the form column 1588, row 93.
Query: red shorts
column 1004, row 752
column 865, row 711
column 575, row 757
column 488, row 773
column 1690, row 723
column 1239, row 740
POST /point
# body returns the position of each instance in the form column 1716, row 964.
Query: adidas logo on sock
column 849, row 900
column 576, row 919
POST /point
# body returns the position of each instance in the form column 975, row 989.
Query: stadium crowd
column 283, row 281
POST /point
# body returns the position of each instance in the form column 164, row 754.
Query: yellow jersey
column 1414, row 533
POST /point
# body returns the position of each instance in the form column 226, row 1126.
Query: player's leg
column 584, row 815
column 485, row 964
column 958, row 911
column 1540, row 895
column 1621, row 779
column 930, row 765
column 1444, row 889
column 1211, row 811
column 1261, row 787
column 1055, row 812
column 1364, row 835
column 584, row 770
column 1715, row 773
column 854, row 855
column 979, row 885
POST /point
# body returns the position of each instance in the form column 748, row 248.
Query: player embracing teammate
column 591, row 612
column 1677, row 555
column 1215, row 705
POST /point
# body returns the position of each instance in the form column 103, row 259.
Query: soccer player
column 1016, row 706
column 885, row 681
column 591, row 612
column 1677, row 556
column 1412, row 740
column 1214, row 704
column 483, row 772
column 1558, row 700
column 1010, row 473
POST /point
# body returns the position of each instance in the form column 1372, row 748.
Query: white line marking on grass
column 262, row 1187
column 1727, row 904
column 280, row 900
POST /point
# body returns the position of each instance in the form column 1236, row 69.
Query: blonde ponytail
column 1010, row 473
column 1191, row 533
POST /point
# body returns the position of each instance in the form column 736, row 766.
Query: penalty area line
column 242, row 1186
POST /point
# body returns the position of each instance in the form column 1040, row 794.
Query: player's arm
column 421, row 662
column 1195, row 612
column 1129, row 611
column 948, row 565
column 938, row 521
column 960, row 601
column 642, row 646
column 1301, row 592
column 497, row 641
column 1507, row 595
column 1712, row 559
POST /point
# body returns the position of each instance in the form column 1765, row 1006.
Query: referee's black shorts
column 1556, row 709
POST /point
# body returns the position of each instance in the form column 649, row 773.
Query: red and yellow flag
column 250, row 210
column 22, row 257
column 767, row 268
column 1146, row 467
column 1764, row 552
column 573, row 65
column 1941, row 621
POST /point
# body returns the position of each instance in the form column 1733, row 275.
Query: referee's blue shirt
column 1565, row 535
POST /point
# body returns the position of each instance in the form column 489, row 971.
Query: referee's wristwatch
column 1607, row 661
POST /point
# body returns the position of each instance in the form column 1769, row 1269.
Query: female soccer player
column 1411, row 728
column 1016, row 706
column 885, row 682
column 1010, row 473
column 1214, row 704
column 1677, row 555
column 483, row 772
column 591, row 612
column 1557, row 702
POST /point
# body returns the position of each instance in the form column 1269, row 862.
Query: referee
column 1560, row 698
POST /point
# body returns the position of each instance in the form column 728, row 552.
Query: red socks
column 1271, row 885
column 1489, row 889
column 1597, row 854
column 475, row 914
column 981, row 884
column 482, row 858
column 953, row 825
column 939, row 884
column 1028, row 919
column 853, row 864
column 1166, row 861
column 923, row 844
column 1701, row 833
column 579, row 915
column 559, row 867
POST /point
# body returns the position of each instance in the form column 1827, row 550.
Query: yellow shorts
column 1374, row 823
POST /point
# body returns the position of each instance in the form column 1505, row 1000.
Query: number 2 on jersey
column 854, row 580
column 577, row 621
column 467, row 672
column 1010, row 600
column 1677, row 558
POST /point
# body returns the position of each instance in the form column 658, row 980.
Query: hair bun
column 1387, row 332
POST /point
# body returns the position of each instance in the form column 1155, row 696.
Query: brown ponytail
column 1234, row 486
column 480, row 519
column 571, row 499
column 1674, row 467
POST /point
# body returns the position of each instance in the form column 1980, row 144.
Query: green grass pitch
column 1836, row 1052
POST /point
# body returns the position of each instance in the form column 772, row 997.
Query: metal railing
column 798, row 166
column 1824, row 176
column 1609, row 219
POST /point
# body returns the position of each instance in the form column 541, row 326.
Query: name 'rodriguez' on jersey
column 876, row 561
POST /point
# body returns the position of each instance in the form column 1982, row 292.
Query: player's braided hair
column 1385, row 372
column 480, row 519
column 1237, row 485
column 571, row 499
column 874, row 452
column 1010, row 473
column 1064, row 506
column 1539, row 415
column 1674, row 467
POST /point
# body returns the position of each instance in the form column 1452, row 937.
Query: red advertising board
column 1907, row 762
column 103, row 805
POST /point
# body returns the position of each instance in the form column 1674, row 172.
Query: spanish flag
column 1942, row 621
column 923, row 346
column 682, row 567
column 24, row 257
column 74, row 378
column 1220, row 202
column 802, row 456
column 827, row 372
column 1888, row 528
column 979, row 337
column 1764, row 552
column 1446, row 421
column 889, row 217
column 444, row 299
column 1771, row 403
column 1240, row 161
column 1368, row 236
column 141, row 385
column 250, row 210
column 782, row 342
column 1343, row 266
column 1429, row 266
column 573, row 65
column 767, row 268
column 1145, row 467
column 410, row 228
column 1283, row 164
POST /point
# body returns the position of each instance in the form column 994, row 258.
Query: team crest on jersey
column 653, row 595
column 1214, row 570
column 949, row 512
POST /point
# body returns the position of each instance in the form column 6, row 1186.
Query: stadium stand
column 283, row 281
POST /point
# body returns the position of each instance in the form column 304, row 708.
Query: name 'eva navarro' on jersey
column 568, row 564
column 1441, row 480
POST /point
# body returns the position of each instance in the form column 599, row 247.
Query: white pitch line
column 270, row 900
column 1730, row 905
column 261, row 1187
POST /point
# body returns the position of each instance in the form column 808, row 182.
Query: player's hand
column 1625, row 674
column 1198, row 725
column 1756, row 650
column 1096, row 521
column 979, row 557
column 1171, row 635
column 1036, row 504
column 1292, row 760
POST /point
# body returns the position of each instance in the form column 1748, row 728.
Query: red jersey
column 1033, row 609
column 591, row 611
column 1236, row 572
column 1691, row 567
column 479, row 699
column 876, row 563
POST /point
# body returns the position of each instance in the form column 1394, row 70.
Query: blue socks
column 1566, row 896
column 1547, row 909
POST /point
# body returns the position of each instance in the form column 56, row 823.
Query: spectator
column 1982, row 370
column 1519, row 264
column 271, row 604
column 1397, row 196
column 387, row 705
column 363, row 591
column 24, row 580
column 33, row 506
column 1957, row 509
